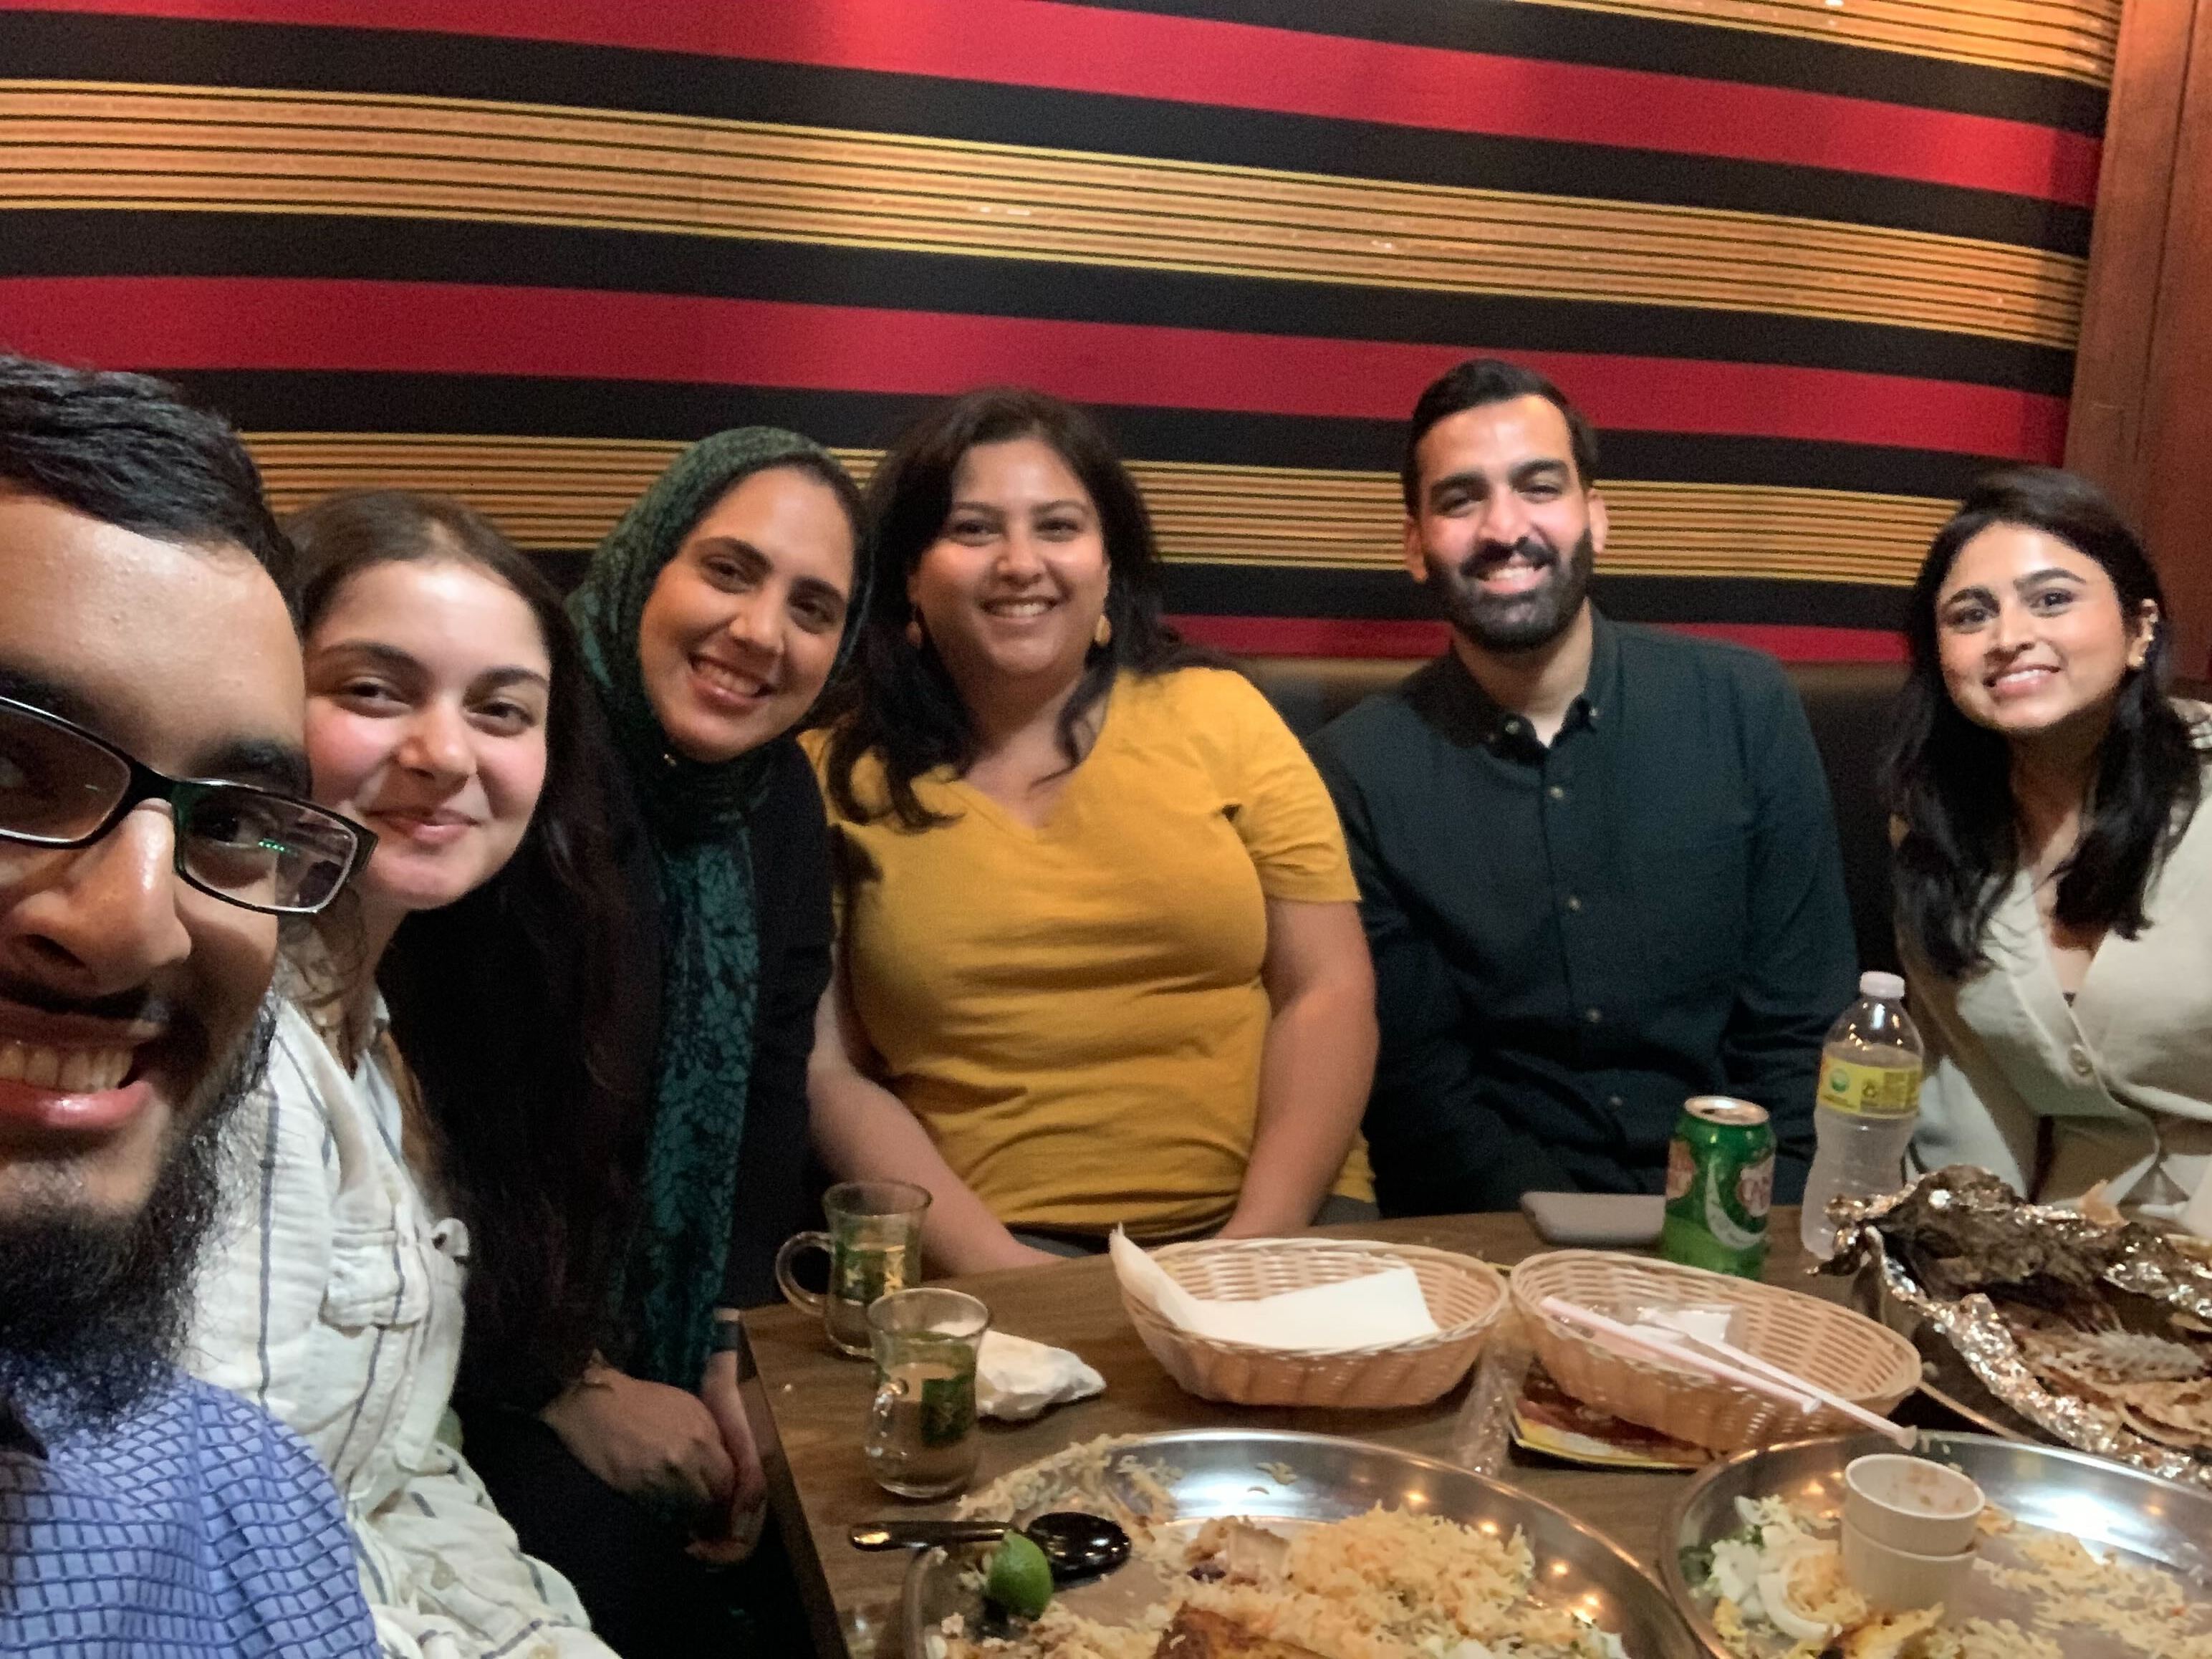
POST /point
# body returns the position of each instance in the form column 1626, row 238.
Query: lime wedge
column 1020, row 1579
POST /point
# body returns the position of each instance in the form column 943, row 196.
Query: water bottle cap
column 1890, row 987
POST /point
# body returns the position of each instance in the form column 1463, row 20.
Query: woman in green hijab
column 711, row 618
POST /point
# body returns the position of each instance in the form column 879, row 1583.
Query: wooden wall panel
column 2142, row 417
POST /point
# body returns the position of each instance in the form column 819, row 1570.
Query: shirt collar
column 1456, row 703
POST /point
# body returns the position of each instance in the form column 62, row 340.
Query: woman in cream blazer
column 2054, row 876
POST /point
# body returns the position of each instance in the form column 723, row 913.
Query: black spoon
column 1075, row 1546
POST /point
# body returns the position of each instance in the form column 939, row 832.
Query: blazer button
column 2078, row 1057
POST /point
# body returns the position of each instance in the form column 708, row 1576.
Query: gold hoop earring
column 1104, row 634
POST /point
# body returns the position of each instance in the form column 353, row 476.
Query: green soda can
column 1720, row 1184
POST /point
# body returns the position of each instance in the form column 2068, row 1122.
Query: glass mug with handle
column 874, row 1246
column 922, row 1440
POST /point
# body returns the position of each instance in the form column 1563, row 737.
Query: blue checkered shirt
column 198, row 1526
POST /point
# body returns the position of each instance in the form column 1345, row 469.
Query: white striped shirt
column 331, row 1294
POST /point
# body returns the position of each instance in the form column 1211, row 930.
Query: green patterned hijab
column 698, row 816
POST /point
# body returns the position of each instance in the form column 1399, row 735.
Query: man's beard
column 1514, row 621
column 94, row 1308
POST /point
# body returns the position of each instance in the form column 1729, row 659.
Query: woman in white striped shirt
column 438, row 664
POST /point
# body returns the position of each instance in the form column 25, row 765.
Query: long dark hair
column 508, row 1004
column 1949, row 781
column 899, row 701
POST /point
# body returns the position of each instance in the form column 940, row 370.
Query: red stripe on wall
column 1321, row 636
column 1795, row 643
column 1078, row 48
column 301, row 324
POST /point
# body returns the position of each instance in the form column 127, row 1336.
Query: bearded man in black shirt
column 1598, row 863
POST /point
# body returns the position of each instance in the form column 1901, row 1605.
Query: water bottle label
column 1869, row 1090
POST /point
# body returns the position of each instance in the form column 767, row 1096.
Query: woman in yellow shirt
column 1100, row 960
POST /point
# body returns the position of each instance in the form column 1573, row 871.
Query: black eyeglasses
column 62, row 786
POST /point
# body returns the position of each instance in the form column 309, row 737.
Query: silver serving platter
column 1210, row 1472
column 2105, row 1505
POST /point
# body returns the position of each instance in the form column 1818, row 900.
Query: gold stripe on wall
column 564, row 494
column 2075, row 38
column 79, row 144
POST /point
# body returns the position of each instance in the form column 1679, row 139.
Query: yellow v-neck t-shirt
column 1074, row 1011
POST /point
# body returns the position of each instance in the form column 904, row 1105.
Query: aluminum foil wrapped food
column 2098, row 1331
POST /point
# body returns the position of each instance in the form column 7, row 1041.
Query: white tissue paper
column 1016, row 1378
column 1353, row 1312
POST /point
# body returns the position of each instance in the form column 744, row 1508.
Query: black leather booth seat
column 1847, row 702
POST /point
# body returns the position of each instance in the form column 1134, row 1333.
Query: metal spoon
column 1075, row 1546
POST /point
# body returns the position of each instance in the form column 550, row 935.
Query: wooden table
column 816, row 1401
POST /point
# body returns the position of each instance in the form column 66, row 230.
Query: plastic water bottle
column 1870, row 1099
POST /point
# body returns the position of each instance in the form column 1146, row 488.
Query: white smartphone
column 1599, row 1220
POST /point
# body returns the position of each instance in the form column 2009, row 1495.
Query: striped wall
column 1810, row 265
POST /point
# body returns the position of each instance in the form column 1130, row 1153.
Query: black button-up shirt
column 1571, row 940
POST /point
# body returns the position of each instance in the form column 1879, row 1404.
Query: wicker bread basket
column 1845, row 1352
column 1465, row 1297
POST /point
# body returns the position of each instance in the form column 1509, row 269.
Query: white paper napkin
column 1352, row 1313
column 1016, row 1378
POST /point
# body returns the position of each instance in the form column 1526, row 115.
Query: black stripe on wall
column 1201, row 590
column 124, row 243
column 1569, row 34
column 501, row 406
column 1388, row 595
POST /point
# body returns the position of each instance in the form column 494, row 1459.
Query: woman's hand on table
column 718, row 1391
column 658, row 1444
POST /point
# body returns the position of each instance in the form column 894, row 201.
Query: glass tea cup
column 923, row 1441
column 874, row 1246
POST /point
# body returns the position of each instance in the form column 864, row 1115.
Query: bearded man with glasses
column 152, row 837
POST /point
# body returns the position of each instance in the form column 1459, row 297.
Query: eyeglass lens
column 234, row 842
column 54, row 786
column 261, row 849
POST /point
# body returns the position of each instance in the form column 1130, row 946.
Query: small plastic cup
column 1900, row 1580
column 1911, row 1504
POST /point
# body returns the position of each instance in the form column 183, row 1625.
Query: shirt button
column 1574, row 903
column 1593, row 1015
column 2078, row 1057
column 1556, row 793
column 1615, row 1102
column 1513, row 727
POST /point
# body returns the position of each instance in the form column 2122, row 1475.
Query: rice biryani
column 1775, row 1588
column 1387, row 1584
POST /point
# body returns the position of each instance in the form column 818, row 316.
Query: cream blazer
column 2123, row 1075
